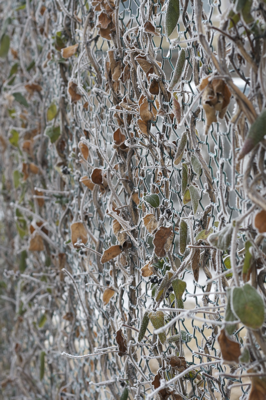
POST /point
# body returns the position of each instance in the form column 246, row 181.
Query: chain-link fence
column 131, row 262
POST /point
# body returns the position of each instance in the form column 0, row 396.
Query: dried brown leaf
column 143, row 126
column 84, row 150
column 78, row 232
column 73, row 91
column 229, row 348
column 178, row 362
column 33, row 87
column 36, row 243
column 40, row 200
column 260, row 221
column 27, row 147
column 33, row 168
column 154, row 87
column 196, row 264
column 69, row 51
column 146, row 109
column 119, row 137
column 258, row 388
column 107, row 295
column 104, row 20
column 122, row 344
column 121, row 236
column 111, row 253
column 147, row 270
column 150, row 222
column 163, row 240
column 177, row 110
column 87, row 182
column 149, row 28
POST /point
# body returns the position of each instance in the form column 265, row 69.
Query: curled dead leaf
column 150, row 222
column 104, row 20
column 143, row 126
column 33, row 87
column 78, row 233
column 33, row 168
column 108, row 32
column 40, row 199
column 196, row 264
column 107, row 295
column 73, row 91
column 178, row 362
column 122, row 344
column 111, row 253
column 119, row 139
column 36, row 243
column 98, row 177
column 215, row 98
column 154, row 87
column 121, row 236
column 260, row 221
column 147, row 270
column 84, row 150
column 69, row 51
column 163, row 241
column 146, row 109
column 229, row 348
column 87, row 182
column 149, row 28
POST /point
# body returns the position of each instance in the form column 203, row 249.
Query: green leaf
column 196, row 165
column 13, row 70
column 248, row 306
column 229, row 315
column 186, row 197
column 42, row 365
column 184, row 178
column 157, row 320
column 185, row 337
column 179, row 68
column 234, row 19
column 179, row 288
column 51, row 112
column 14, row 139
column 195, row 197
column 248, row 259
column 153, row 200
column 31, row 65
column 227, row 263
column 203, row 235
column 22, row 261
column 244, row 7
column 42, row 321
column 222, row 240
column 172, row 16
column 256, row 133
column 124, row 395
column 16, row 178
column 143, row 326
column 53, row 132
column 245, row 356
column 12, row 112
column 4, row 46
column 183, row 229
column 22, row 7
column 20, row 99
column 181, row 148
column 163, row 284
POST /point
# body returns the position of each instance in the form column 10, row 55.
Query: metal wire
column 52, row 300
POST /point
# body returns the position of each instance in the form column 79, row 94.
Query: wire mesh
column 89, row 159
